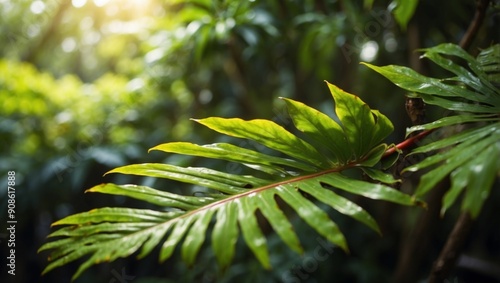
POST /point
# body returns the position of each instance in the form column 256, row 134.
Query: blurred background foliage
column 89, row 85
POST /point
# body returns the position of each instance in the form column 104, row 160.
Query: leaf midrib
column 266, row 187
column 233, row 197
column 229, row 199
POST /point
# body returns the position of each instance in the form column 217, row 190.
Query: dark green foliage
column 469, row 156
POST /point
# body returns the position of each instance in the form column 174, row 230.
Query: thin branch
column 451, row 250
column 470, row 34
column 418, row 240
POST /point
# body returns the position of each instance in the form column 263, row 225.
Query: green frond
column 453, row 120
column 473, row 159
column 268, row 134
column 470, row 157
column 489, row 64
column 106, row 234
column 229, row 152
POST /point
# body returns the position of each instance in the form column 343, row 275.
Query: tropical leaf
column 453, row 120
column 469, row 150
column 299, row 174
column 403, row 11
column 489, row 63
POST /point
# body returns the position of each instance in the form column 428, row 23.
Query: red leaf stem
column 406, row 143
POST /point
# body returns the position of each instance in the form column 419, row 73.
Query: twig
column 470, row 34
column 416, row 242
column 451, row 250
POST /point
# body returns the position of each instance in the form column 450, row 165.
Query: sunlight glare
column 37, row 7
column 128, row 4
column 100, row 3
column 369, row 51
column 78, row 3
column 139, row 8
column 69, row 44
